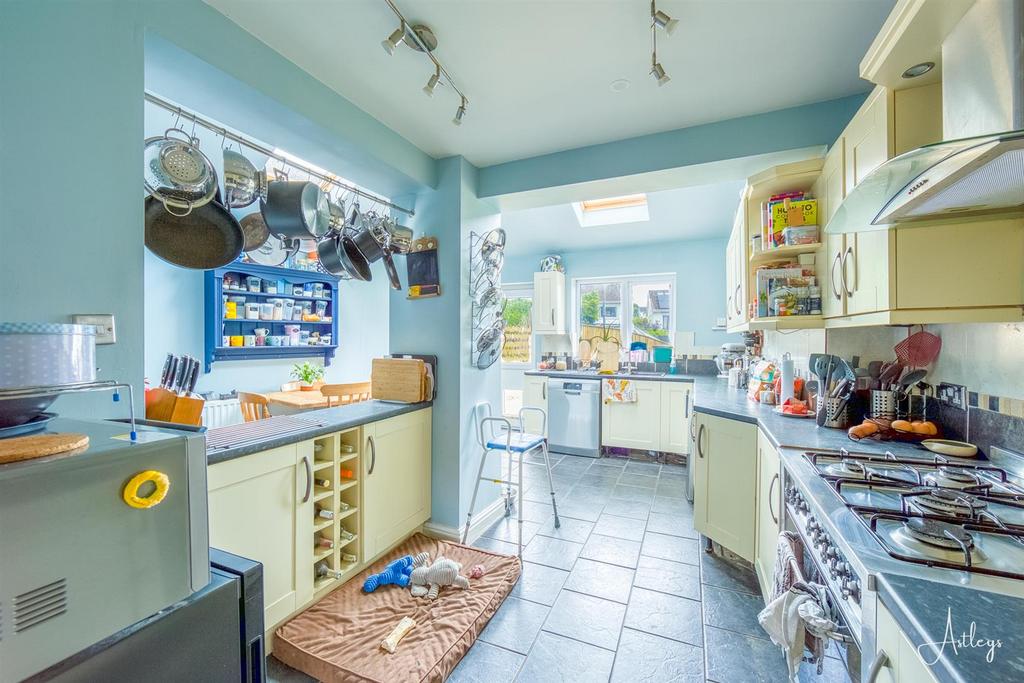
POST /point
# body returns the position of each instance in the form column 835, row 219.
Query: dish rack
column 486, row 258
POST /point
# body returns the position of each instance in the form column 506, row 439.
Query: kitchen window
column 600, row 305
column 518, row 347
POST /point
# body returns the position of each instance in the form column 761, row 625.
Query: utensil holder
column 884, row 404
column 834, row 417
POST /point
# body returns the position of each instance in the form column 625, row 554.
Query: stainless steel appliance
column 82, row 556
column 574, row 416
column 731, row 355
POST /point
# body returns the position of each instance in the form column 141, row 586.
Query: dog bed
column 338, row 639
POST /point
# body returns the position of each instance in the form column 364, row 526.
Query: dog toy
column 428, row 581
column 393, row 574
column 476, row 571
column 391, row 642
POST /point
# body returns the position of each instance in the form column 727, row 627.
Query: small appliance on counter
column 732, row 354
column 97, row 539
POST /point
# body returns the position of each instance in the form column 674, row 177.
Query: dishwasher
column 574, row 416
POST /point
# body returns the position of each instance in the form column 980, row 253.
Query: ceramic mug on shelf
column 237, row 340
column 249, row 340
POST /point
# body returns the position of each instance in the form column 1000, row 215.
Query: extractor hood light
column 659, row 74
column 396, row 38
column 460, row 113
column 664, row 21
column 432, row 83
column 919, row 70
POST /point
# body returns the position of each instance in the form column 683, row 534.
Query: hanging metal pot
column 401, row 238
column 206, row 237
column 255, row 231
column 243, row 182
column 176, row 173
column 354, row 261
column 297, row 209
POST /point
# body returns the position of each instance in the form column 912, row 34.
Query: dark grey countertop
column 574, row 374
column 330, row 419
column 937, row 621
column 919, row 602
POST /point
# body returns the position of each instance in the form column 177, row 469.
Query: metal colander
column 177, row 173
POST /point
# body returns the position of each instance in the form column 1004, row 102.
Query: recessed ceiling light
column 919, row 70
column 619, row 85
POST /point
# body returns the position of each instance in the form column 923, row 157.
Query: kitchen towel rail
column 256, row 147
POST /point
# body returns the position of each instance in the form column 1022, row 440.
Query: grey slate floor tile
column 671, row 489
column 733, row 611
column 588, row 512
column 570, row 529
column 497, row 546
column 535, row 511
column 665, row 615
column 646, row 658
column 515, row 625
column 731, row 657
column 672, row 506
column 556, row 658
column 646, row 481
column 672, row 548
column 642, row 467
column 486, row 663
column 539, row 583
column 671, row 525
column 634, row 493
column 678, row 579
column 586, row 618
column 601, row 580
column 627, row 508
column 611, row 550
column 620, row 527
column 507, row 529
column 717, row 571
column 552, row 552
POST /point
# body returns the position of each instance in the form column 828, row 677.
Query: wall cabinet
column 736, row 312
column 769, row 512
column 258, row 509
column 636, row 424
column 725, row 482
column 549, row 303
column 396, row 480
column 676, row 415
column 535, row 395
column 904, row 664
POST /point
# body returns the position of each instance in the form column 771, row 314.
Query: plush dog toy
column 396, row 573
column 428, row 581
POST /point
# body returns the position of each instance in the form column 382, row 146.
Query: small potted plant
column 307, row 374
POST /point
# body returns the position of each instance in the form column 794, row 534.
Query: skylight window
column 630, row 208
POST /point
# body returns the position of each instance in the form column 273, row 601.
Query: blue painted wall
column 812, row 124
column 699, row 266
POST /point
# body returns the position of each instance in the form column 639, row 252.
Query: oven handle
column 881, row 660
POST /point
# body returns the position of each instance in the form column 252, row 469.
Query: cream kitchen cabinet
column 769, row 511
column 396, row 480
column 736, row 313
column 676, row 415
column 549, row 303
column 725, row 482
column 535, row 395
column 901, row 661
column 260, row 508
column 636, row 424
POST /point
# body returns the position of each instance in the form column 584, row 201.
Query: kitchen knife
column 194, row 378
column 166, row 371
column 186, row 378
column 179, row 375
column 171, row 372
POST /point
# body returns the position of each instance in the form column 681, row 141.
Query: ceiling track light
column 664, row 22
column 659, row 20
column 420, row 38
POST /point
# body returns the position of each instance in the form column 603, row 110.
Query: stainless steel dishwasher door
column 574, row 416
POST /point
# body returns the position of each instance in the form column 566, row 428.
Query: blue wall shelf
column 217, row 325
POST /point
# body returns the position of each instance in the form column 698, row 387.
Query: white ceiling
column 688, row 213
column 537, row 72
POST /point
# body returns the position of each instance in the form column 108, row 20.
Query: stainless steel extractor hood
column 952, row 179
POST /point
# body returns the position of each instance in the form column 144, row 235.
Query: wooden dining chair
column 355, row 392
column 254, row 406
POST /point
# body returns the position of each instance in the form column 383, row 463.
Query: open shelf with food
column 260, row 312
column 783, row 253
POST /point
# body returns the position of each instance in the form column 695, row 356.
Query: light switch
column 103, row 322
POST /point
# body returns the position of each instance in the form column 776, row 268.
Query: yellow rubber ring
column 160, row 482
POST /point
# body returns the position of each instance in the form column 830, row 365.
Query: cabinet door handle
column 544, row 391
column 373, row 453
column 309, row 478
column 736, row 301
column 686, row 410
column 728, row 306
column 700, row 435
column 846, row 256
column 771, row 489
column 832, row 277
column 881, row 661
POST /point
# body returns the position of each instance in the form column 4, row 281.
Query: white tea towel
column 782, row 622
column 787, row 567
column 618, row 391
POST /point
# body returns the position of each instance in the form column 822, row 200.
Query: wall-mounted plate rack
column 486, row 258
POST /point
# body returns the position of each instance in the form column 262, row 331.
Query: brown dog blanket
column 338, row 639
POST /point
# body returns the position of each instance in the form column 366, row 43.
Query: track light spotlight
column 659, row 74
column 394, row 40
column 432, row 83
column 460, row 113
column 664, row 21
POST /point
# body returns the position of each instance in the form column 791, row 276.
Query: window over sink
column 634, row 308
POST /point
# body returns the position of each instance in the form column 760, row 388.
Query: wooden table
column 298, row 400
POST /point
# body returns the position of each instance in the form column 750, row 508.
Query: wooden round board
column 39, row 445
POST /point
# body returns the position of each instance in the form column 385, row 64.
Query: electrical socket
column 953, row 394
column 104, row 323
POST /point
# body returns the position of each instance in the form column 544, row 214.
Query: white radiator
column 222, row 413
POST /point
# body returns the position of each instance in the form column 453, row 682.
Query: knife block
column 166, row 406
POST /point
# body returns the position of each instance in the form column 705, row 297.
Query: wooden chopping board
column 40, row 445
